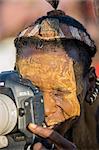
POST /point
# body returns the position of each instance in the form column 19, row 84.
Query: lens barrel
column 8, row 114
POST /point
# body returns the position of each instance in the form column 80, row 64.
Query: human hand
column 60, row 142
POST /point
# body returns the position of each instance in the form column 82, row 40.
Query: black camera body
column 29, row 104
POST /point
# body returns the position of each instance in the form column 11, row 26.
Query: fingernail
column 31, row 125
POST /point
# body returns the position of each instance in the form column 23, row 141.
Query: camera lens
column 8, row 114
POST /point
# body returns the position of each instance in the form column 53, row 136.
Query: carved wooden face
column 53, row 73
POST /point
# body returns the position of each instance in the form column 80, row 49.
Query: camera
column 20, row 103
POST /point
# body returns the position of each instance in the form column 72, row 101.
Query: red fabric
column 97, row 69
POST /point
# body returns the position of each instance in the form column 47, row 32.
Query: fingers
column 52, row 135
column 38, row 146
column 43, row 132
